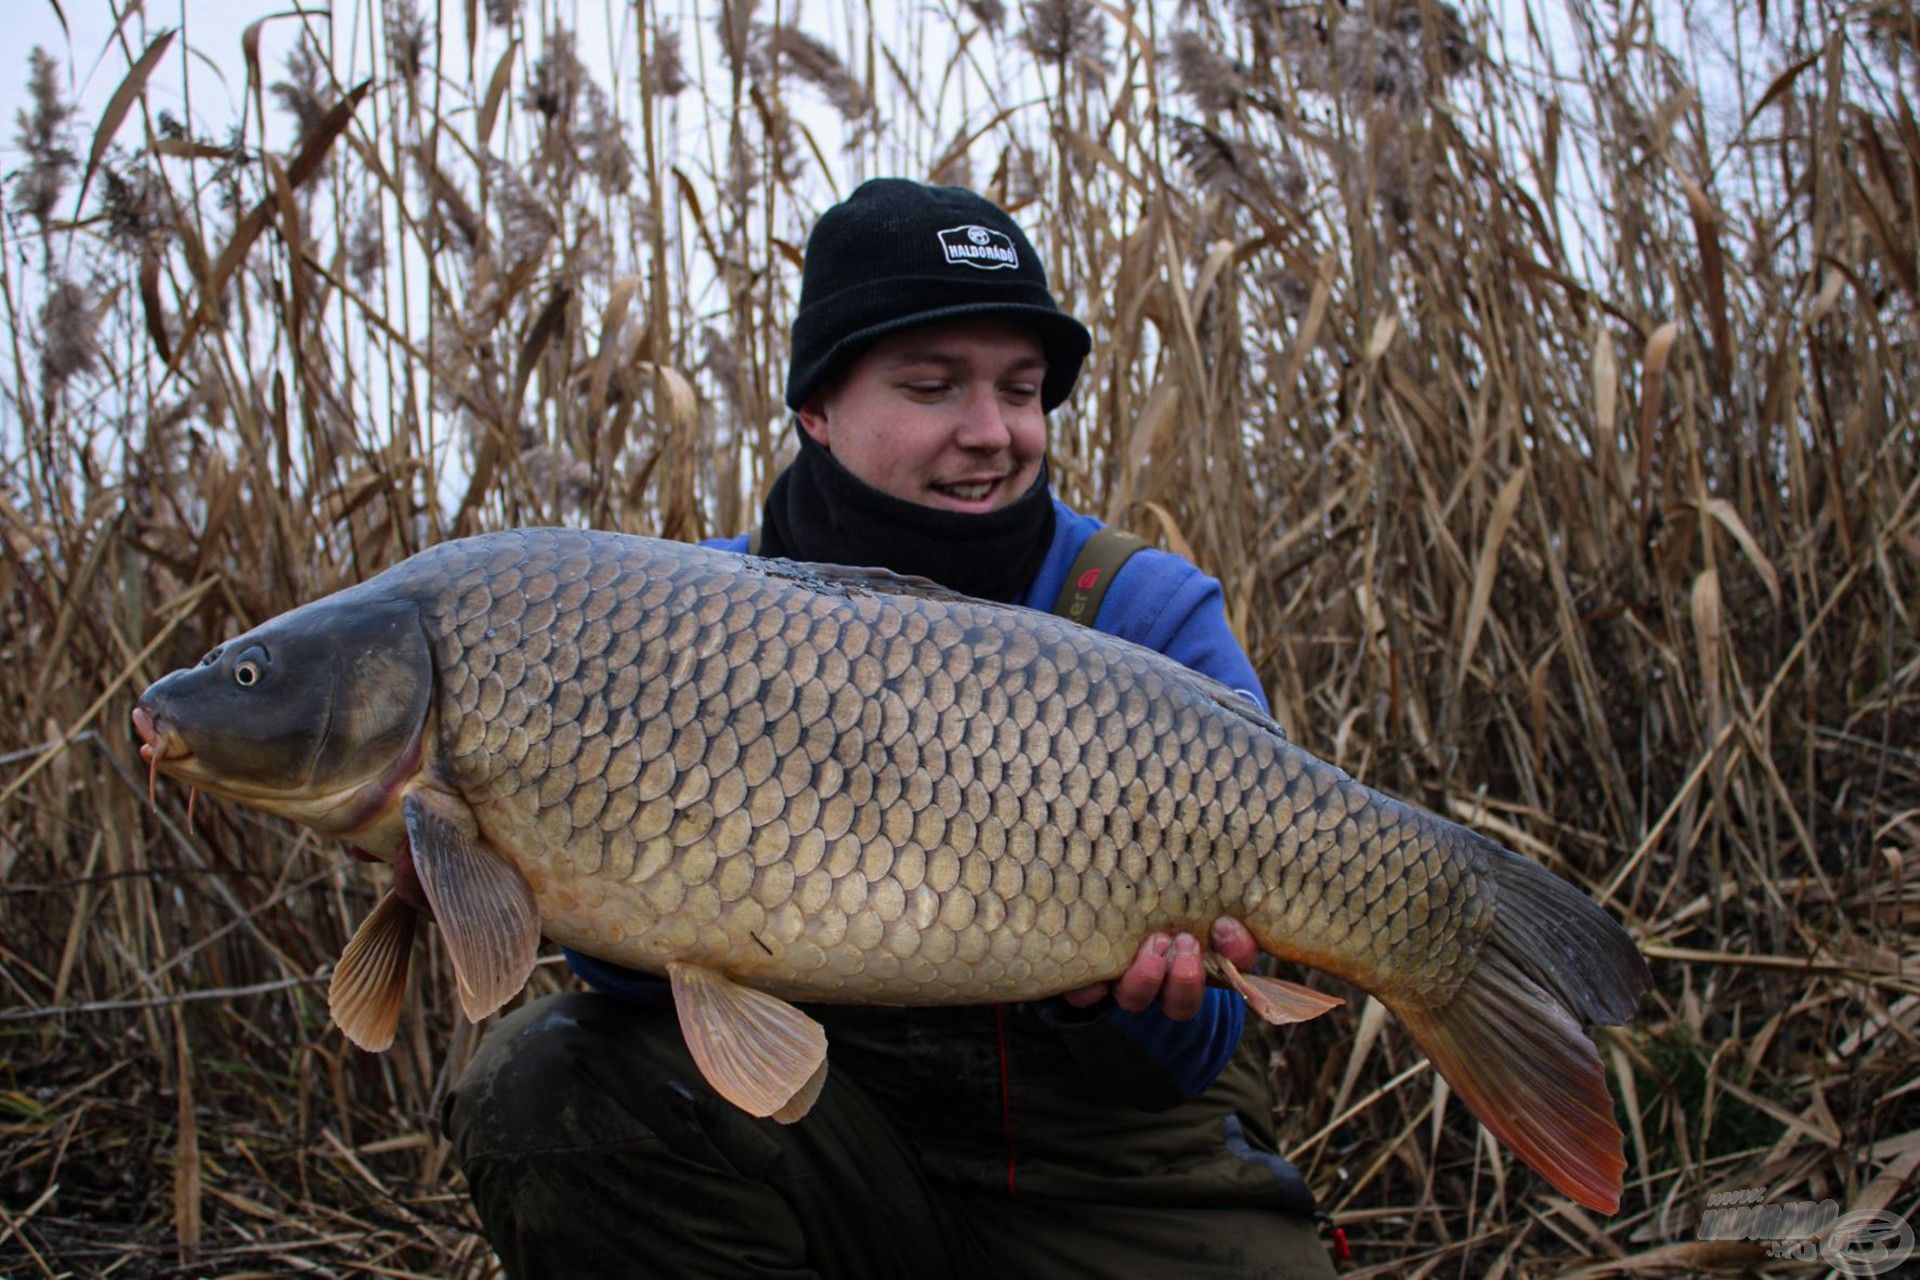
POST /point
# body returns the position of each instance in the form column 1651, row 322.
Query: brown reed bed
column 1553, row 430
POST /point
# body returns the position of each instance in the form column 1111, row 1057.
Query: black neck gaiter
column 819, row 511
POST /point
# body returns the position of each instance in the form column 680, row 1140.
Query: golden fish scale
column 842, row 793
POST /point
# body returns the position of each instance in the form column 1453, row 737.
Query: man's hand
column 1168, row 968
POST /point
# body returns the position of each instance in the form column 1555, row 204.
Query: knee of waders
column 571, row 1072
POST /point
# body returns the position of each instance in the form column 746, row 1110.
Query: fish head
column 318, row 715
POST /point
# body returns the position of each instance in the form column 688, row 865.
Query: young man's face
column 945, row 415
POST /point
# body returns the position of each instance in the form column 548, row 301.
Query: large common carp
column 774, row 782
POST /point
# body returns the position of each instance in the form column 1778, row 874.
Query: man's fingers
column 1081, row 997
column 1186, row 983
column 1139, row 986
column 1232, row 939
column 1172, row 972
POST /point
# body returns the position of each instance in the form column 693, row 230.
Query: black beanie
column 896, row 254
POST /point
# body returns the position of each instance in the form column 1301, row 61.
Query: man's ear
column 813, row 421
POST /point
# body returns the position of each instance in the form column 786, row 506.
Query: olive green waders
column 946, row 1143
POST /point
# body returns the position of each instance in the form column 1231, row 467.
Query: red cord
column 1341, row 1250
column 1006, row 1096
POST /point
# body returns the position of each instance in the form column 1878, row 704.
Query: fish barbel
column 773, row 781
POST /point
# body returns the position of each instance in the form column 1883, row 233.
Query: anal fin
column 802, row 1102
column 1278, row 1001
column 369, row 984
column 756, row 1050
column 484, row 908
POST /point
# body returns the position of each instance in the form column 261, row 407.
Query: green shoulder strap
column 1093, row 572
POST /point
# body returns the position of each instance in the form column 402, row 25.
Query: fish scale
column 852, row 722
column 774, row 782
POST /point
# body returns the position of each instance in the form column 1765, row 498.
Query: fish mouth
column 159, row 745
column 350, row 806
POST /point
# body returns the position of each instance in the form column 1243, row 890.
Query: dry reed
column 1554, row 436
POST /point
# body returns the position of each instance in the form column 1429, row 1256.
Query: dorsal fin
column 850, row 580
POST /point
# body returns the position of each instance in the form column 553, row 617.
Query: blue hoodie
column 1159, row 601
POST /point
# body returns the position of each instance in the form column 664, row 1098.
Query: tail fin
column 1509, row 1041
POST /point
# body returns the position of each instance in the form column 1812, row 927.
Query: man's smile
column 973, row 494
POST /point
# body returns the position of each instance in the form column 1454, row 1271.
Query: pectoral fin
column 370, row 981
column 484, row 908
column 757, row 1051
column 1278, row 1001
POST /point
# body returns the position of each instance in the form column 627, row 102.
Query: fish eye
column 251, row 669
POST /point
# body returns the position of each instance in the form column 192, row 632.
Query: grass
column 1552, row 429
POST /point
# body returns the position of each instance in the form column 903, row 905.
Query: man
column 1112, row 1132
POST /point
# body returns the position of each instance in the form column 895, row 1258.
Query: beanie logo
column 977, row 246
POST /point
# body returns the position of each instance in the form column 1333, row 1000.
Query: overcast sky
column 218, row 75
